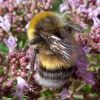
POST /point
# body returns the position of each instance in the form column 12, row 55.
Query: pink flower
column 93, row 15
column 64, row 6
column 64, row 93
column 21, row 84
column 82, row 66
column 20, row 88
column 5, row 23
column 1, row 1
column 98, row 2
column 97, row 11
column 11, row 43
column 11, row 7
column 73, row 4
column 82, row 9
column 20, row 1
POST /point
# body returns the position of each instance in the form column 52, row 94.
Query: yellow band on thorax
column 36, row 19
column 52, row 62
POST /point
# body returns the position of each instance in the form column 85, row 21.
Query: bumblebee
column 56, row 49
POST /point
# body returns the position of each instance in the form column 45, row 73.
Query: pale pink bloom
column 1, row 1
column 64, row 93
column 21, row 85
column 11, row 7
column 20, row 88
column 20, row 1
column 82, row 9
column 11, row 43
column 82, row 65
column 93, row 15
column 73, row 4
column 96, row 22
column 64, row 7
column 11, row 0
column 6, row 3
column 98, row 2
column 97, row 11
column 5, row 23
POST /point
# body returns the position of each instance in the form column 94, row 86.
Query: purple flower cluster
column 11, row 43
column 15, row 14
column 18, row 63
column 70, row 5
column 81, row 71
column 86, row 13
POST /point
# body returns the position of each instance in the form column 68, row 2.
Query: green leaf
column 21, row 44
column 77, row 99
column 15, row 82
column 87, row 88
column 22, row 40
column 46, row 93
column 56, row 5
column 1, row 71
column 24, row 98
column 5, row 98
column 3, row 48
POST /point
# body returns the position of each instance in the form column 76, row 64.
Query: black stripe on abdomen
column 58, row 74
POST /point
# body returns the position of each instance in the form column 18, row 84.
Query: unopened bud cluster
column 18, row 62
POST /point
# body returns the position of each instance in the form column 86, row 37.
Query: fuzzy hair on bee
column 56, row 48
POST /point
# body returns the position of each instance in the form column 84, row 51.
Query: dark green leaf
column 46, row 93
column 56, row 5
column 87, row 88
column 1, row 71
column 3, row 48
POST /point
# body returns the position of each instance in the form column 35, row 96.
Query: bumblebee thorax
column 44, row 21
column 50, row 23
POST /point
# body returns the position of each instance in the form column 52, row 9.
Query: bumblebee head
column 42, row 22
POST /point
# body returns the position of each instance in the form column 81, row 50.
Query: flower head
column 64, row 93
column 11, row 43
column 94, row 16
column 82, row 65
column 5, row 23
column 1, row 1
column 73, row 4
column 20, row 1
column 64, row 6
column 21, row 85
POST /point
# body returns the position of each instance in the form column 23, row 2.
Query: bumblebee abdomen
column 58, row 74
column 53, row 78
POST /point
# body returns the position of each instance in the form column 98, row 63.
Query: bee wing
column 73, row 26
column 65, row 48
